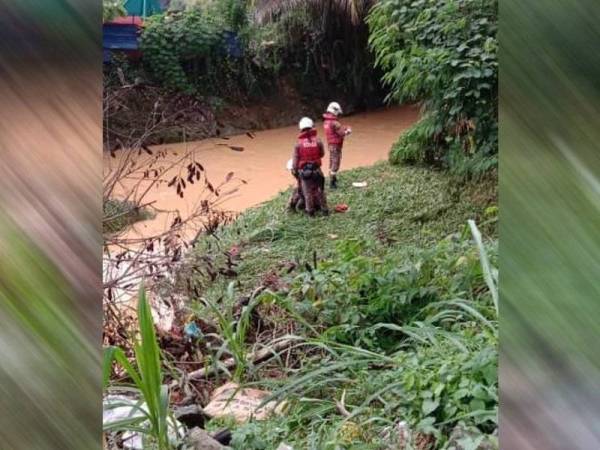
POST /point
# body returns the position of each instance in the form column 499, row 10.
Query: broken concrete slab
column 230, row 400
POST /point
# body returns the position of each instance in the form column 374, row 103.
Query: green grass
column 402, row 209
column 147, row 378
column 398, row 315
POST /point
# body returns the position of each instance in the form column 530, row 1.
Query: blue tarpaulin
column 122, row 34
column 119, row 37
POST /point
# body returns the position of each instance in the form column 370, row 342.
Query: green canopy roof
column 142, row 8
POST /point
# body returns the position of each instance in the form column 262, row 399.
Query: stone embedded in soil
column 201, row 440
column 242, row 404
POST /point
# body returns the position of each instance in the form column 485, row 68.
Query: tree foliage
column 112, row 9
column 322, row 46
column 444, row 53
column 325, row 44
column 354, row 10
column 171, row 39
column 188, row 50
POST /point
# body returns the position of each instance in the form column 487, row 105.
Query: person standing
column 306, row 164
column 335, row 133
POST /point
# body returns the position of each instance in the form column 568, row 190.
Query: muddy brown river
column 262, row 163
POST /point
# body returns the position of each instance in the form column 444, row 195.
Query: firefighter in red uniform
column 335, row 133
column 306, row 165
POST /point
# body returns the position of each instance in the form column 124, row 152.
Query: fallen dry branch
column 341, row 406
column 255, row 358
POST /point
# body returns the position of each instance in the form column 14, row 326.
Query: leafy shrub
column 441, row 370
column 112, row 9
column 188, row 51
column 442, row 52
column 414, row 146
column 366, row 301
column 169, row 40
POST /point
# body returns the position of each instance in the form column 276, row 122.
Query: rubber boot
column 333, row 182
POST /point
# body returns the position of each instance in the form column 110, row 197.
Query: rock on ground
column 201, row 440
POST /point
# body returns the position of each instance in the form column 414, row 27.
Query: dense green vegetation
column 390, row 310
column 112, row 9
column 443, row 53
column 395, row 315
column 238, row 49
column 187, row 51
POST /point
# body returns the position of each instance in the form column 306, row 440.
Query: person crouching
column 306, row 164
column 296, row 202
column 335, row 133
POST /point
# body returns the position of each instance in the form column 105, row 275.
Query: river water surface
column 262, row 163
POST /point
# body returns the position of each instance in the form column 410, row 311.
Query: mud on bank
column 157, row 116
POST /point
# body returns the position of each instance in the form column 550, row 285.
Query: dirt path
column 262, row 163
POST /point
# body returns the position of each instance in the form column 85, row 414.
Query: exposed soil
column 185, row 118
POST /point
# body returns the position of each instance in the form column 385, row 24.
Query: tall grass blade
column 485, row 264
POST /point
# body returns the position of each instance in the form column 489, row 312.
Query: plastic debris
column 342, row 207
column 359, row 184
column 192, row 330
column 284, row 446
column 117, row 408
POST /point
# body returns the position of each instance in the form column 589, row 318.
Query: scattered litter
column 397, row 436
column 359, row 184
column 192, row 330
column 233, row 147
column 342, row 207
column 284, row 446
column 232, row 401
column 333, row 236
column 290, row 164
column 118, row 408
column 163, row 314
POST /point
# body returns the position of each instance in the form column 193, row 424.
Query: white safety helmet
column 334, row 108
column 305, row 122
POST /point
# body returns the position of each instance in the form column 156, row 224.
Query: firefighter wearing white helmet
column 305, row 124
column 335, row 133
column 335, row 108
column 306, row 167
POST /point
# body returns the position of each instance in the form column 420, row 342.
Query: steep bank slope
column 390, row 302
